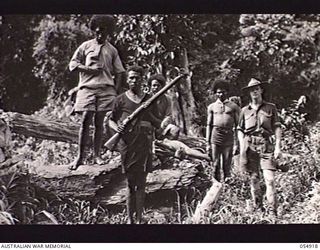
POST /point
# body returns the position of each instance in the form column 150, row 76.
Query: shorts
column 100, row 99
column 136, row 179
column 222, row 137
column 265, row 160
column 258, row 155
column 136, row 150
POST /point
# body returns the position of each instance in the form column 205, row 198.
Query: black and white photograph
column 159, row 119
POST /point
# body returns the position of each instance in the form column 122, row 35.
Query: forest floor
column 298, row 190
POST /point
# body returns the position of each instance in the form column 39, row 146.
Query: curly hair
column 136, row 68
column 160, row 78
column 107, row 21
column 220, row 84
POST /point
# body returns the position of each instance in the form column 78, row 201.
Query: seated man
column 157, row 82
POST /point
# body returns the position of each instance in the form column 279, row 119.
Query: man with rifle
column 132, row 117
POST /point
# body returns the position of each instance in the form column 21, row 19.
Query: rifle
column 110, row 144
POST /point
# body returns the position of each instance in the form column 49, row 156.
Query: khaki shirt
column 104, row 55
column 265, row 119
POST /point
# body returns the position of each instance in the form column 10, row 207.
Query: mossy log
column 105, row 183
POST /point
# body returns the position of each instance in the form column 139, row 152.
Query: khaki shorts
column 258, row 156
column 266, row 161
column 95, row 99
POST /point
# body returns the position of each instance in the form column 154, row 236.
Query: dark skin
column 136, row 196
column 101, row 35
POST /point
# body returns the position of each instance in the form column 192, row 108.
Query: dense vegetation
column 282, row 50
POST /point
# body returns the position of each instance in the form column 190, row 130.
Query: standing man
column 100, row 79
column 258, row 122
column 135, row 145
column 221, row 121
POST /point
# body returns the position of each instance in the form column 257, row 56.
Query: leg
column 131, row 199
column 252, row 166
column 269, row 176
column 216, row 161
column 140, row 196
column 108, row 132
column 226, row 161
column 98, row 134
column 255, row 189
column 83, row 138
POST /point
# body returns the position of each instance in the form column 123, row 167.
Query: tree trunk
column 184, row 107
column 32, row 126
column 107, row 185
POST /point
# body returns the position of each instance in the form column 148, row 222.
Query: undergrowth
column 298, row 190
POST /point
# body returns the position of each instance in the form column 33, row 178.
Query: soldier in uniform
column 222, row 120
column 257, row 123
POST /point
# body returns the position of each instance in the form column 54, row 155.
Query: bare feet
column 75, row 164
column 98, row 160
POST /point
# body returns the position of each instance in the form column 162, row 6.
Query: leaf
column 50, row 217
column 2, row 205
column 6, row 218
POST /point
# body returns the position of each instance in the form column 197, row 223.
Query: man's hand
column 121, row 128
column 166, row 121
column 94, row 70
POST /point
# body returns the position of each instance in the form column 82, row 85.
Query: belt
column 224, row 129
column 146, row 124
column 257, row 139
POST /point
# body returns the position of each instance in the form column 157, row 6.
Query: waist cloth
column 222, row 136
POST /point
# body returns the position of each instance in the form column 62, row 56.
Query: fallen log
column 206, row 206
column 55, row 130
column 105, row 183
column 41, row 128
column 102, row 183
column 38, row 127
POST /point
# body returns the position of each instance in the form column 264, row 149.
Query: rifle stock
column 112, row 142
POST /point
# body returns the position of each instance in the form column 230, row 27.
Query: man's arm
column 119, row 72
column 209, row 129
column 278, row 134
column 240, row 132
column 77, row 62
column 120, row 82
column 241, row 140
column 235, row 138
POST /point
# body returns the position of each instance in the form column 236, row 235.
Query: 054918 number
column 308, row 246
